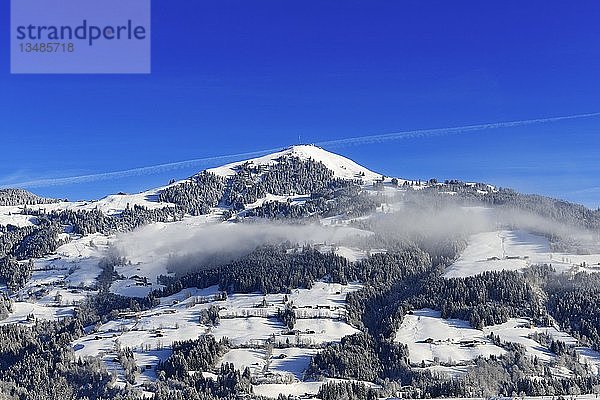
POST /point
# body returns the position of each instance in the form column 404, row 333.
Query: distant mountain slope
column 13, row 197
column 341, row 167
column 296, row 181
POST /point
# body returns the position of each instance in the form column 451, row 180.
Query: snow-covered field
column 306, row 389
column 11, row 215
column 351, row 254
column 109, row 205
column 514, row 250
column 518, row 330
column 40, row 311
column 247, row 320
column 443, row 344
column 60, row 281
column 431, row 339
column 295, row 389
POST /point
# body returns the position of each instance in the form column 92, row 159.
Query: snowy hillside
column 515, row 250
column 342, row 167
column 303, row 273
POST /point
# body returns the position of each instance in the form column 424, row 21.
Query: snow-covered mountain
column 112, row 204
column 342, row 167
column 325, row 277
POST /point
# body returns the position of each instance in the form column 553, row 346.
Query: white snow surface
column 453, row 341
column 109, row 205
column 514, row 250
column 307, row 389
column 11, row 215
column 342, row 167
column 243, row 320
column 518, row 330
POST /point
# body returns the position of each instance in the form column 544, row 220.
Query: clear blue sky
column 237, row 76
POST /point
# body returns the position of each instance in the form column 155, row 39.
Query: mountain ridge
column 314, row 268
column 341, row 167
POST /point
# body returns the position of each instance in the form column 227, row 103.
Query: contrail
column 420, row 133
column 150, row 170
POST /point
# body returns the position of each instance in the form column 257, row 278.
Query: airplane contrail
column 141, row 171
column 420, row 133
column 359, row 140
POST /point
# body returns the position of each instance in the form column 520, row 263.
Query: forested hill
column 299, row 274
column 16, row 197
column 300, row 181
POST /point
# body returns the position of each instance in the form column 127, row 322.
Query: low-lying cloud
column 191, row 244
column 183, row 245
column 428, row 224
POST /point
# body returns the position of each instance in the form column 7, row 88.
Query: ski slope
column 514, row 250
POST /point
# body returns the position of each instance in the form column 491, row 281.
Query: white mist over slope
column 207, row 243
column 435, row 221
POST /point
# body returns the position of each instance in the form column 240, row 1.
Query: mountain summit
column 341, row 166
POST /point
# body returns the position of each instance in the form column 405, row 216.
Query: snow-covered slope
column 515, row 250
column 342, row 167
column 431, row 339
column 111, row 204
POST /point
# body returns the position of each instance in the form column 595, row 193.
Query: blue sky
column 239, row 76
